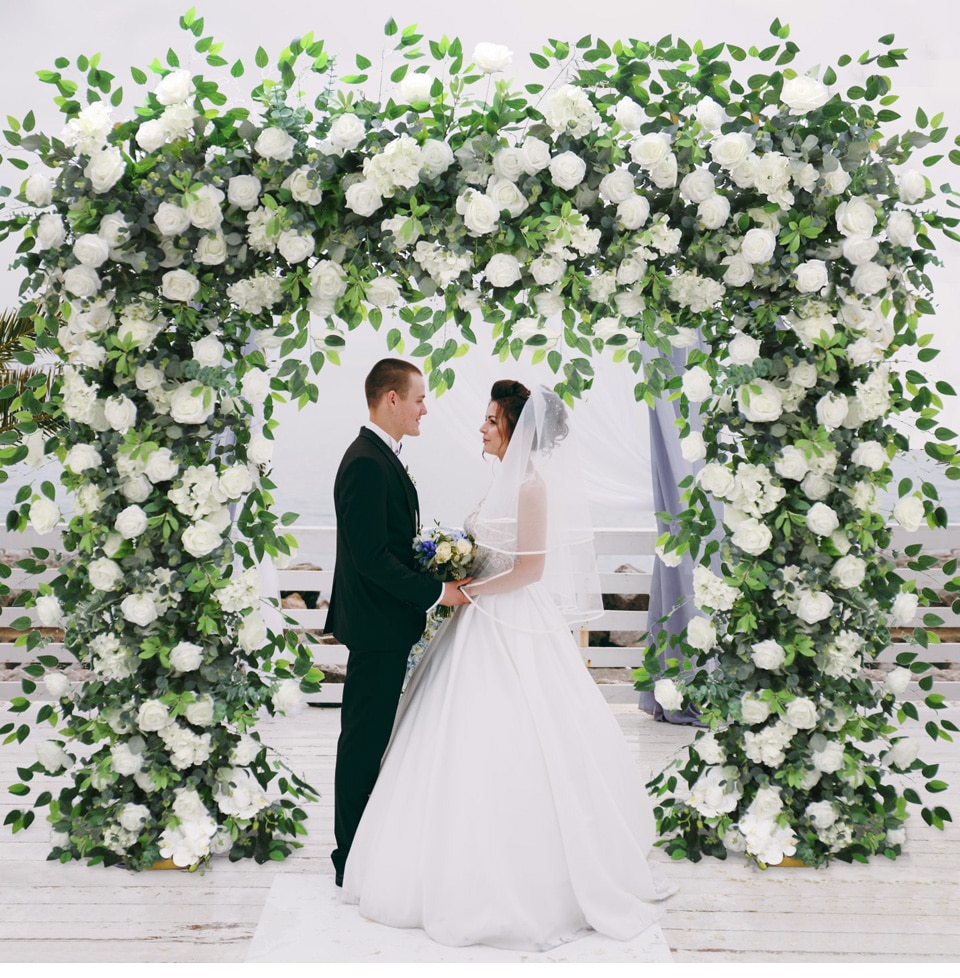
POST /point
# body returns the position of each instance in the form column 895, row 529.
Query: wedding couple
column 507, row 810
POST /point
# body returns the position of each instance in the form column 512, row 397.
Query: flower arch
column 195, row 261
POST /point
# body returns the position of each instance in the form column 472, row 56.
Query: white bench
column 614, row 547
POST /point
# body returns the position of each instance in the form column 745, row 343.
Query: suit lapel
column 409, row 489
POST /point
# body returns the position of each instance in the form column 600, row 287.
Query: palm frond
column 13, row 329
column 20, row 380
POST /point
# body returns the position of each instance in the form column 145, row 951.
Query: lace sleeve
column 531, row 545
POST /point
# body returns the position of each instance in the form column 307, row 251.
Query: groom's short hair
column 389, row 375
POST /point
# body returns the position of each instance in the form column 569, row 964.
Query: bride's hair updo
column 510, row 396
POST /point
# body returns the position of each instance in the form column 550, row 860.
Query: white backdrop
column 446, row 458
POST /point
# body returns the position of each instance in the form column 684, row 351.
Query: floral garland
column 191, row 263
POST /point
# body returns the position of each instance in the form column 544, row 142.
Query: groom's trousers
column 371, row 693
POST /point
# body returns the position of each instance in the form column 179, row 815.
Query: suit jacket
column 379, row 599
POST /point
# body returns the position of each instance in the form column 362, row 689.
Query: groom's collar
column 388, row 440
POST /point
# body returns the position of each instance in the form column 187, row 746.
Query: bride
column 508, row 810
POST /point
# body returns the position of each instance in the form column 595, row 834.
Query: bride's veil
column 543, row 450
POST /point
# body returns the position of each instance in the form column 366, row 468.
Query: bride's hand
column 452, row 594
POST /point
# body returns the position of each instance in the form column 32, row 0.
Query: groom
column 379, row 600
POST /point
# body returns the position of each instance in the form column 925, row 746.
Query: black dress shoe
column 338, row 880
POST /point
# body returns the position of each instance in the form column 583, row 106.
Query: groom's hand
column 452, row 595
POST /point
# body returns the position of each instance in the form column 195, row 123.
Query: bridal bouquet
column 446, row 554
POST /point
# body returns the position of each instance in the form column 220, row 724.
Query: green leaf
column 237, row 69
column 390, row 28
column 539, row 60
column 261, row 58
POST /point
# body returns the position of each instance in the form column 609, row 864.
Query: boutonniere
column 406, row 469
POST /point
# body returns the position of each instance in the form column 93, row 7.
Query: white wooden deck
column 903, row 911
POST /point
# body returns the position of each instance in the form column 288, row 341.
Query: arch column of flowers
column 194, row 261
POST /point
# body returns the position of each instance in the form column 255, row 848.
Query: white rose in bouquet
column 124, row 760
column 252, row 634
column 698, row 186
column 869, row 278
column 701, row 633
column 179, row 285
column 104, row 574
column 664, row 174
column 52, row 756
column 81, row 281
column 696, row 384
column 275, row 144
column 236, row 481
column 363, row 198
column 502, row 270
column 547, row 269
column 897, row 680
column 38, row 189
column 803, row 94
column 44, row 515
column 817, row 330
column 731, row 149
column 913, row 186
column 693, row 448
column 288, row 698
column 151, row 135
column 131, row 522
column 243, row 191
column 814, row 606
column 822, row 520
column 161, row 465
column 211, row 249
column 302, row 184
column 136, row 489
column 49, row 612
column 208, row 351
column 51, row 232
column 437, row 157
column 346, row 133
column 200, row 711
column 480, row 214
column 760, row 401
column 105, row 168
column 758, row 246
column 650, row 149
column 295, row 247
column 835, row 180
column 858, row 249
column 871, row 455
column 152, row 716
column 255, row 385
column 849, row 571
column 739, row 271
column 714, row 212
column 91, row 250
column 716, row 479
column 82, row 457
column 508, row 163
column 628, row 115
column 801, row 713
column 665, row 692
column 811, row 276
column 171, row 220
column 617, row 186
column 506, row 196
column 57, row 685
column 174, row 87
column 192, row 403
column 832, row 410
column 201, row 538
column 185, row 657
column 829, row 757
column 567, row 170
column 709, row 749
column 203, row 208
column 752, row 537
column 260, row 449
column 633, row 212
column 743, row 349
column 856, row 217
column 900, row 229
column 904, row 608
column 791, row 463
column 535, row 155
column 768, row 654
column 909, row 513
column 491, row 58
column 903, row 753
column 416, row 87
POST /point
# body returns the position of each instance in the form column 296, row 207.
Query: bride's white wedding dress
column 508, row 811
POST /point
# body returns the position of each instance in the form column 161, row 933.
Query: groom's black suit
column 377, row 609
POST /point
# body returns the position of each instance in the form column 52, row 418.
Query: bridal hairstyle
column 510, row 396
column 388, row 375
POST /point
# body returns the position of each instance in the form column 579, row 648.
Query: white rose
column 897, row 680
column 502, row 270
column 709, row 114
column 81, row 281
column 701, row 633
column 534, row 154
column 185, row 657
column 275, row 144
column 731, row 149
column 131, row 522
column 628, row 114
column 904, row 608
column 201, row 538
column 908, row 512
column 49, row 611
column 752, row 537
column 152, row 716
column 295, row 247
column 192, row 403
column 664, row 174
column 346, row 132
column 665, row 692
column 768, row 654
column 822, row 520
column 288, row 696
column 50, row 232
column 739, row 271
column 139, row 609
column 856, row 217
column 913, row 186
column 835, row 181
column 696, row 384
column 302, row 188
column 859, row 248
column 760, row 400
column 244, row 191
column 91, row 250
column 698, row 186
column 416, row 87
column 151, row 135
column 743, row 349
column 802, row 713
column 174, row 87
column 547, row 269
column 715, row 479
column 617, row 186
column 200, row 711
column 816, row 486
column 52, row 756
column 252, row 634
column 44, row 515
column 650, row 149
column 869, row 278
column 480, row 214
column 38, row 189
column 903, row 753
column 811, row 276
column 803, row 94
column 255, row 386
column 714, row 212
column 491, row 58
column 362, row 198
column 104, row 169
column 179, row 285
column 693, row 447
column 753, row 709
column 567, row 170
column 171, row 220
column 260, row 449
column 82, row 457
column 832, row 410
column 633, row 212
column 208, row 352
column 849, row 572
column 161, row 465
column 211, row 249
column 120, row 412
column 104, row 574
column 900, row 229
column 829, row 758
column 791, row 463
column 814, row 606
column 57, row 684
column 436, row 156
column 804, row 374
column 758, row 246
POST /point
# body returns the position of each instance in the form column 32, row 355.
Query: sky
column 128, row 33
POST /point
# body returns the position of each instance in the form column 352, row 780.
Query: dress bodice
column 497, row 551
